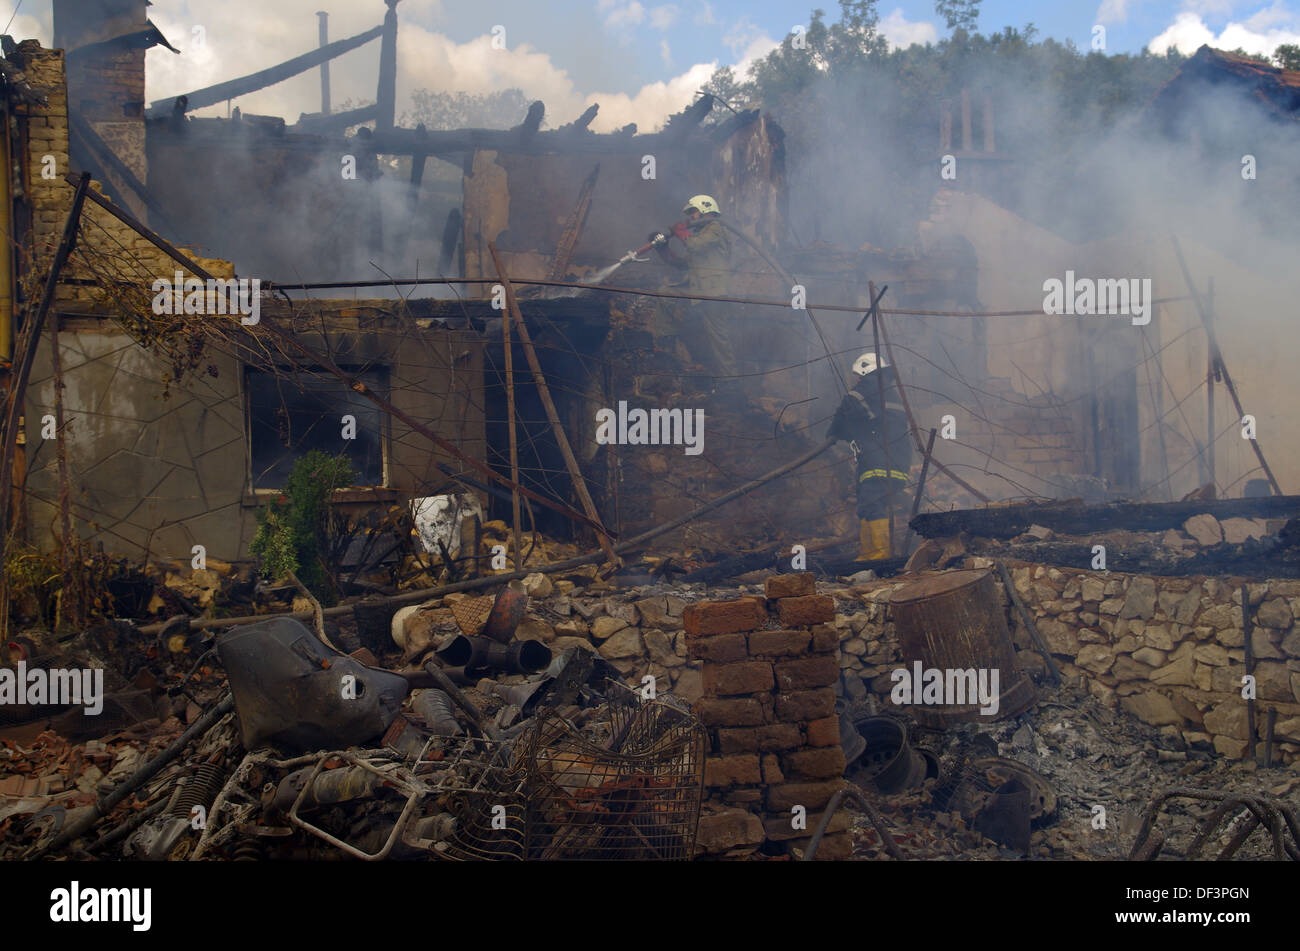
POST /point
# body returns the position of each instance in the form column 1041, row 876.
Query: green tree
column 959, row 14
column 1287, row 56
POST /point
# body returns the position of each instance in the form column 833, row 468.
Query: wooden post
column 325, row 66
column 571, row 463
column 573, row 227
column 1250, row 667
column 386, row 97
column 884, row 436
column 1210, row 374
column 920, row 488
column 514, row 444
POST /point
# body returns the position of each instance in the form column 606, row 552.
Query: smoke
column 1096, row 180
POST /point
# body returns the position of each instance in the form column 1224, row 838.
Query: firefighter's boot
column 879, row 548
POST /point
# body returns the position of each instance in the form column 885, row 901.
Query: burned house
column 191, row 309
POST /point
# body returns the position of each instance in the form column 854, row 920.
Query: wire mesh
column 476, row 782
column 627, row 786
column 472, row 614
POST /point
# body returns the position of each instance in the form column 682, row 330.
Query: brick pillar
column 769, row 669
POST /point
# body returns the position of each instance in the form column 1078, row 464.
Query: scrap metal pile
column 309, row 753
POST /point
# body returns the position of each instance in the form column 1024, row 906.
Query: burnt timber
column 1072, row 518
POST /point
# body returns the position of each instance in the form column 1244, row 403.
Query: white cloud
column 661, row 18
column 1112, row 11
column 629, row 14
column 665, row 52
column 1277, row 13
column 704, row 15
column 902, row 33
column 1221, row 8
column 1189, row 32
column 741, row 35
column 244, row 36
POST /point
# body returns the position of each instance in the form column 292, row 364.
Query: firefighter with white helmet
column 707, row 264
column 881, row 445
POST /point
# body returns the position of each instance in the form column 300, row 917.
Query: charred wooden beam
column 334, row 122
column 682, row 124
column 211, row 95
column 1072, row 518
column 573, row 227
column 526, row 130
column 580, row 124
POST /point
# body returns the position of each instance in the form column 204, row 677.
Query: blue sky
column 640, row 59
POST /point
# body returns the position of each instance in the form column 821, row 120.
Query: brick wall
column 51, row 198
column 769, row 669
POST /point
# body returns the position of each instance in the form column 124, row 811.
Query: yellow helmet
column 704, row 204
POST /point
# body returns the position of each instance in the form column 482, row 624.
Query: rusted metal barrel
column 953, row 622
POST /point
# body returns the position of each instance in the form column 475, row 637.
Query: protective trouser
column 873, row 539
column 877, row 489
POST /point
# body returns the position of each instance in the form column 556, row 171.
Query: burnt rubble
column 561, row 719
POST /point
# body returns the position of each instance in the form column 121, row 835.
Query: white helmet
column 867, row 363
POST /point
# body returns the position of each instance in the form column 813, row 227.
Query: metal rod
column 1269, row 723
column 847, row 793
column 458, row 697
column 1217, row 357
column 515, row 516
column 72, row 608
column 643, row 292
column 32, row 337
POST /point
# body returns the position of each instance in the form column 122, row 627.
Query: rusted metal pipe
column 848, row 793
column 141, row 776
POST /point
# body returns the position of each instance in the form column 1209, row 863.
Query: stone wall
column 1170, row 651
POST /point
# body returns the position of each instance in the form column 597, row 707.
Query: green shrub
column 292, row 530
